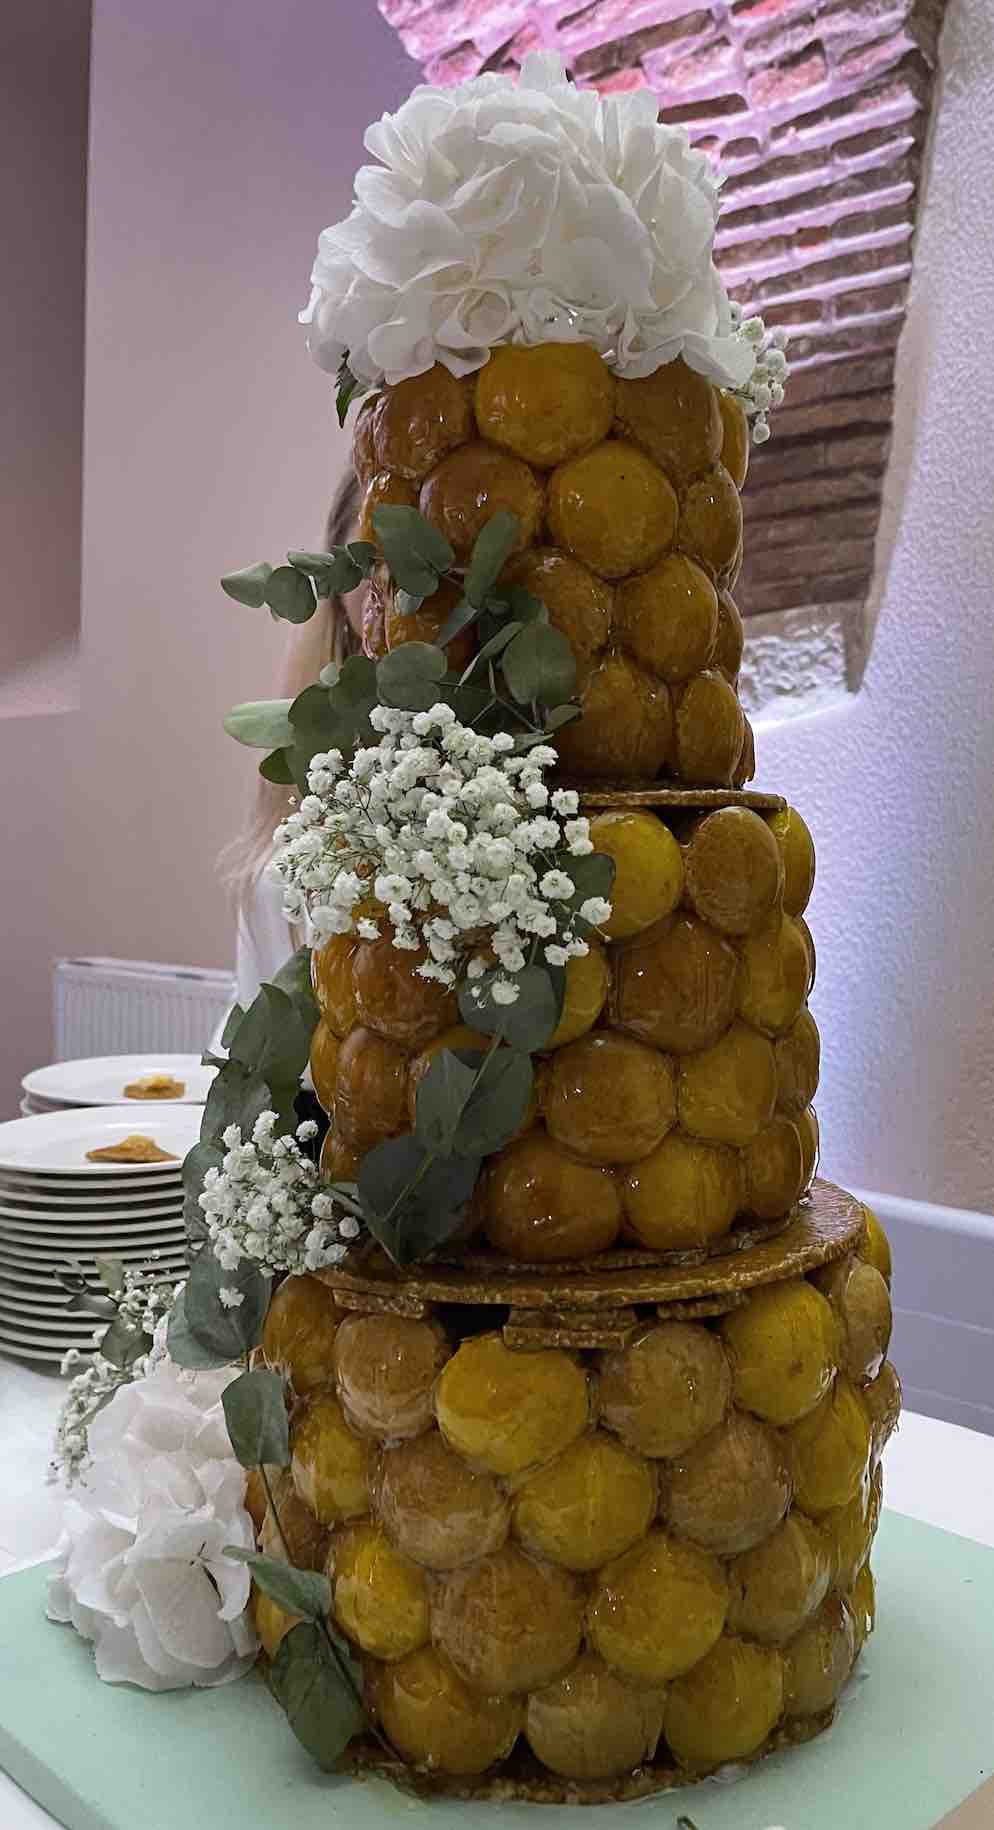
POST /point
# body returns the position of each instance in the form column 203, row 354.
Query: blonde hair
column 328, row 636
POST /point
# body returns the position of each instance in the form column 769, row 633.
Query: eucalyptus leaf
column 410, row 676
column 122, row 1345
column 333, row 717
column 523, row 604
column 294, row 978
column 237, row 1096
column 249, row 585
column 290, row 595
column 323, row 1710
column 407, row 603
column 365, row 555
column 91, row 1304
column 184, row 1347
column 110, row 1271
column 498, row 1104
column 494, row 544
column 526, row 1024
column 228, row 1332
column 348, row 388
column 592, row 875
column 441, row 1099
column 298, row 1591
column 416, row 553
column 413, row 1202
column 457, row 620
column 262, row 724
column 276, row 768
column 554, row 721
column 540, row 665
column 255, row 1413
column 494, row 646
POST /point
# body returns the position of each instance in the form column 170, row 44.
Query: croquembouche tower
column 594, row 1470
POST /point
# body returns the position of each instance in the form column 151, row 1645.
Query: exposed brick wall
column 819, row 111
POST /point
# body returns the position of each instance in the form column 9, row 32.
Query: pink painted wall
column 221, row 142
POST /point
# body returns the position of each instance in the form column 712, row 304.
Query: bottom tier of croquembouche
column 572, row 1390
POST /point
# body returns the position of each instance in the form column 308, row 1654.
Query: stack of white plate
column 101, row 1081
column 55, row 1206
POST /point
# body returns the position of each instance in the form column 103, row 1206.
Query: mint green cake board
column 913, row 1737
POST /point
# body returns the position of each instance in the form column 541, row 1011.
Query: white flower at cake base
column 526, row 212
column 143, row 1573
column 460, row 840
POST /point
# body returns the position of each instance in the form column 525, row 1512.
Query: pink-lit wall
column 222, row 139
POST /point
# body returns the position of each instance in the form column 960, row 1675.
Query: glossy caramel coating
column 745, row 768
column 848, row 1531
column 587, row 980
column 339, row 1160
column 299, row 1538
column 674, row 415
column 435, row 1721
column 648, row 870
column 458, row 1037
column 710, row 528
column 329, row 1462
column 725, row 1708
column 299, row 1332
column 783, row 1345
column 545, row 402
column 798, row 853
column 807, row 1127
column 626, row 729
column 734, row 871
column 370, row 1089
column 508, row 1623
column 331, row 977
column 861, row 1301
column 882, row 1402
column 710, row 731
column 385, row 1368
column 578, row 602
column 684, row 1194
column 798, row 1053
column 590, row 1724
column 819, row 1659
column 863, row 1606
column 541, row 1204
column 470, row 485
column 731, row 1490
column 667, row 1390
column 372, row 621
column 776, row 975
column 875, row 1246
column 608, row 1098
column 380, row 1599
column 613, row 508
column 735, row 437
column 830, row 1450
column 668, row 618
column 778, row 1584
column 392, row 997
column 323, row 1059
column 774, row 1168
column 364, row 460
column 729, row 638
column 676, row 986
column 417, row 422
column 506, row 1411
column 592, row 1503
column 438, row 1510
column 272, row 1623
column 727, row 1093
column 382, row 490
column 658, row 1610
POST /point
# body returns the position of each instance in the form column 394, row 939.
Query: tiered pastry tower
column 596, row 1489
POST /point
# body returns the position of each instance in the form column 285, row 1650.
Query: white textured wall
column 897, row 783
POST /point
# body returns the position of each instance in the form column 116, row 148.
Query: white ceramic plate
column 43, row 1265
column 18, row 1299
column 152, row 1234
column 56, row 1142
column 101, row 1188
column 76, row 1329
column 89, row 1200
column 101, row 1080
column 96, row 1216
column 18, row 1350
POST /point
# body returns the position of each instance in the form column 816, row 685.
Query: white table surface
column 937, row 1472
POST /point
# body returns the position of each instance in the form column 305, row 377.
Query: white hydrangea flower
column 458, row 837
column 142, row 1571
column 528, row 211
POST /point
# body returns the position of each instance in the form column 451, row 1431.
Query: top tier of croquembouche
column 520, row 1418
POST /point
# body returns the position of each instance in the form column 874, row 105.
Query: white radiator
column 943, row 1344
column 130, row 1006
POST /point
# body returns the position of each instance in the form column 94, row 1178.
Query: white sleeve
column 264, row 943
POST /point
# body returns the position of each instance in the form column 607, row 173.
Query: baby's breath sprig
column 766, row 386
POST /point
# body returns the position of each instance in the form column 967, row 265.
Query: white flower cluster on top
column 529, row 212
column 265, row 1203
column 459, row 840
column 144, row 1304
